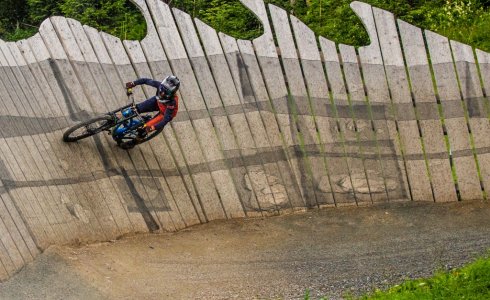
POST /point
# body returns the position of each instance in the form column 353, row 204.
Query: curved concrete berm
column 263, row 129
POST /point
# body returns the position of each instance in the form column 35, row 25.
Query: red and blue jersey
column 167, row 108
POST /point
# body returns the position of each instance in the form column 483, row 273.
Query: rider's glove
column 130, row 85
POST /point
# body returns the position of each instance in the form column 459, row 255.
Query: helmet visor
column 169, row 87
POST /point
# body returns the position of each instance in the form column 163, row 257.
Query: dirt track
column 330, row 252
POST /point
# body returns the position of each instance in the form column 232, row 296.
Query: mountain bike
column 124, row 124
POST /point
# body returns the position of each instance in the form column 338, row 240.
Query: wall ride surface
column 285, row 122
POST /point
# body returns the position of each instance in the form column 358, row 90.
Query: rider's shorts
column 148, row 105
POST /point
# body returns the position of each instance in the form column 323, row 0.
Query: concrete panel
column 83, row 92
column 287, row 164
column 230, row 186
column 313, row 164
column 47, row 203
column 23, row 200
column 404, row 112
column 476, row 106
column 29, row 165
column 7, row 267
column 274, row 80
column 362, row 124
column 324, row 110
column 217, row 112
column 484, row 66
column 140, row 66
column 426, row 103
column 191, row 100
column 71, row 96
column 357, row 184
column 130, row 187
column 378, row 95
column 53, row 172
column 147, row 187
column 135, row 53
column 91, row 208
column 89, row 63
column 42, row 72
column 10, row 253
column 273, row 183
column 244, row 125
column 182, row 187
column 17, row 228
column 454, row 114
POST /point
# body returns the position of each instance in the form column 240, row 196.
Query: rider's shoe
column 141, row 133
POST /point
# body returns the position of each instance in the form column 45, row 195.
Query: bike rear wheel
column 88, row 128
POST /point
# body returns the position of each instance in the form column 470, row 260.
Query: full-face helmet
column 167, row 89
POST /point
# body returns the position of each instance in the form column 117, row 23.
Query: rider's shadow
column 142, row 194
column 148, row 206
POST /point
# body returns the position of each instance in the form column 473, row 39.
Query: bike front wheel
column 88, row 128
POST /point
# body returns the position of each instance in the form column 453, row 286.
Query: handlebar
column 129, row 92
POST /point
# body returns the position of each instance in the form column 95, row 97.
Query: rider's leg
column 148, row 105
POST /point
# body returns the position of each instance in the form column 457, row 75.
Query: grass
column 469, row 282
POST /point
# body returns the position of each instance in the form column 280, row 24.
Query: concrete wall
column 266, row 127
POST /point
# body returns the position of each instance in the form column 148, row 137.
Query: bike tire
column 151, row 135
column 130, row 143
column 101, row 123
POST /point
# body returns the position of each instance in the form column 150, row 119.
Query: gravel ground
column 330, row 252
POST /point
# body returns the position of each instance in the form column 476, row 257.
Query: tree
column 11, row 16
column 118, row 17
column 20, row 19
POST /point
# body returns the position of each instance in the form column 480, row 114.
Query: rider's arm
column 147, row 81
column 166, row 118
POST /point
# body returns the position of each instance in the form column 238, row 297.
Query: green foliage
column 39, row 10
column 118, row 17
column 115, row 17
column 230, row 16
column 20, row 34
column 10, row 16
column 463, row 20
column 470, row 282
column 466, row 21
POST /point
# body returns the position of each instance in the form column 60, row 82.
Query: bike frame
column 120, row 121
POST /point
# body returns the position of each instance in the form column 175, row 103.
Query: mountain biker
column 165, row 101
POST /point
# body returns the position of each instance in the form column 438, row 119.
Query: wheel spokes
column 90, row 129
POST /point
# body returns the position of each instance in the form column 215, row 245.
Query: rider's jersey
column 167, row 110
